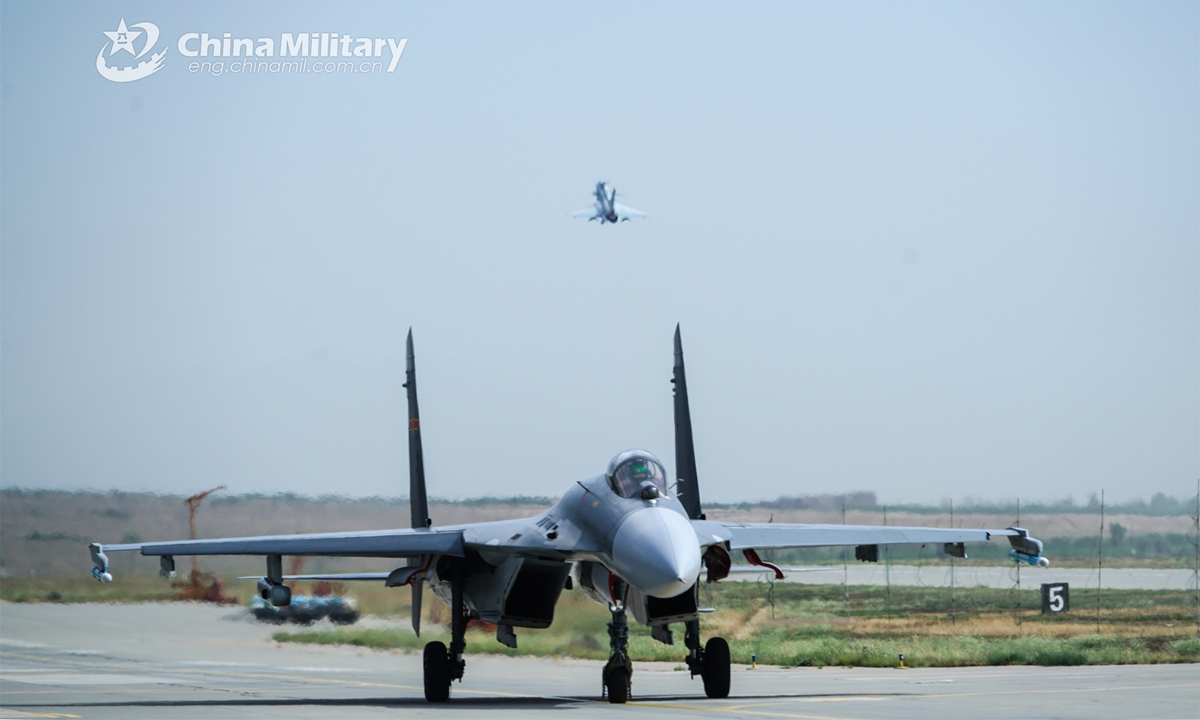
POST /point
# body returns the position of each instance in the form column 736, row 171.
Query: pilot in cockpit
column 636, row 473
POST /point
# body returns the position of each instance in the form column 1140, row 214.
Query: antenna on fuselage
column 685, row 449
column 418, row 502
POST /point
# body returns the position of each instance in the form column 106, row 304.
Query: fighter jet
column 628, row 538
column 606, row 209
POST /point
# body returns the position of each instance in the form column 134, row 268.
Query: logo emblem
column 122, row 39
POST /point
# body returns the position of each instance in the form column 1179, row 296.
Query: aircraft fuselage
column 646, row 541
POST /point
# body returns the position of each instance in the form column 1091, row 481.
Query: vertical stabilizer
column 417, row 500
column 685, row 450
column 418, row 503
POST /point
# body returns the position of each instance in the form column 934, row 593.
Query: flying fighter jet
column 627, row 538
column 606, row 208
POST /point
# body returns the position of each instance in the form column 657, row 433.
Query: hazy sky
column 927, row 249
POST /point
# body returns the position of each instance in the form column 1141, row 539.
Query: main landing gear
column 442, row 665
column 711, row 662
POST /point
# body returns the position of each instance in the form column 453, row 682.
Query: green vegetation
column 818, row 625
column 36, row 536
column 1160, row 504
column 787, row 624
column 131, row 588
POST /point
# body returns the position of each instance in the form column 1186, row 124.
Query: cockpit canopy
column 632, row 470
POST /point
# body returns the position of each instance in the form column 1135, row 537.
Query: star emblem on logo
column 122, row 38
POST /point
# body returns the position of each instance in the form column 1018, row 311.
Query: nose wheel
column 616, row 683
column 618, row 671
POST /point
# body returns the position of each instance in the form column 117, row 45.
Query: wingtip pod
column 1034, row 560
column 99, row 563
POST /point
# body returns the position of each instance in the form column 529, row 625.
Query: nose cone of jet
column 656, row 551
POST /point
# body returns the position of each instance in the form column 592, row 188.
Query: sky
column 932, row 250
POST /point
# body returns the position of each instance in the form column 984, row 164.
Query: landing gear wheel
column 437, row 672
column 616, row 681
column 716, row 668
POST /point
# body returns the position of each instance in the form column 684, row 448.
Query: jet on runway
column 606, row 209
column 627, row 538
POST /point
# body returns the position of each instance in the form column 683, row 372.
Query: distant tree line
column 1141, row 545
column 1159, row 504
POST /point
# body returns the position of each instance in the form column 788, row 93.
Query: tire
column 437, row 672
column 716, row 668
column 617, row 684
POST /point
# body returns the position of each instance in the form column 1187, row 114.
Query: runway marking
column 733, row 708
column 801, row 698
column 41, row 715
column 40, row 692
column 745, row 709
column 1056, row 691
column 267, row 676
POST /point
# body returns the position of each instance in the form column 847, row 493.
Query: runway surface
column 196, row 661
column 993, row 577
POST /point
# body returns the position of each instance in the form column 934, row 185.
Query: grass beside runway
column 130, row 588
column 790, row 625
column 783, row 624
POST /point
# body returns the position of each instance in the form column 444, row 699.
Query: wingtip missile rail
column 100, row 563
column 1026, row 549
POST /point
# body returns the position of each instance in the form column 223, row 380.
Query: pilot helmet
column 631, row 470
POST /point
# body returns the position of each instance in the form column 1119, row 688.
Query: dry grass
column 814, row 625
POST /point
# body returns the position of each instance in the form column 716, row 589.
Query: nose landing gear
column 618, row 671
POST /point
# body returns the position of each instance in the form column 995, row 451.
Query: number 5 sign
column 1055, row 598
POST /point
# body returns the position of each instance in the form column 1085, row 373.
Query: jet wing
column 628, row 213
column 764, row 536
column 768, row 536
column 402, row 542
column 558, row 538
column 591, row 212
